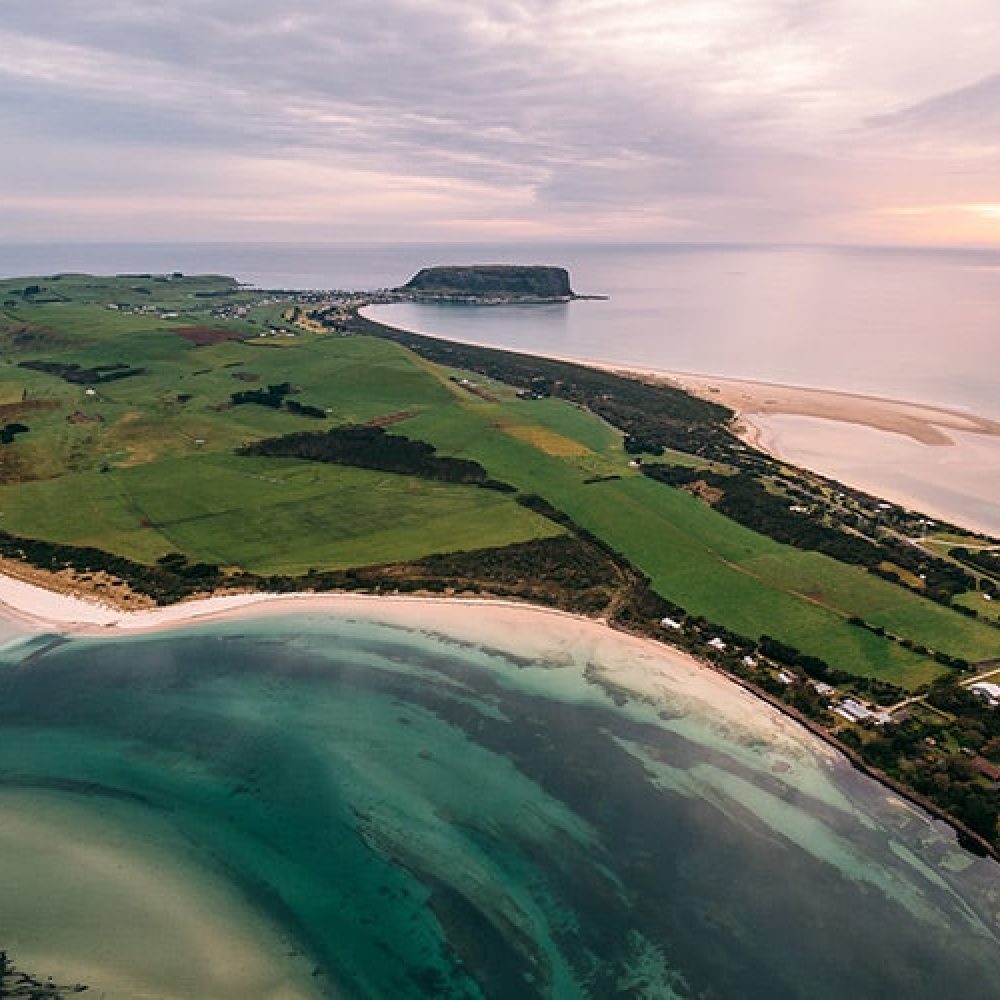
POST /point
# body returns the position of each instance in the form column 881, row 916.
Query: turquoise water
column 414, row 816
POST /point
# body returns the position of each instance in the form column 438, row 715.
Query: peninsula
column 171, row 437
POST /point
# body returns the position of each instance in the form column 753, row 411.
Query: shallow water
column 958, row 483
column 372, row 810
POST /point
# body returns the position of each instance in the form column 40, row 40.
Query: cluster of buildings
column 855, row 711
column 848, row 708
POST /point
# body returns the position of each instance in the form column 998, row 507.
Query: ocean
column 335, row 805
column 338, row 805
column 921, row 325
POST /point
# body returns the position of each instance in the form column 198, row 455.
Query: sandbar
column 924, row 423
column 110, row 895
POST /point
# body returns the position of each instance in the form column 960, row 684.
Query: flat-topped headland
column 492, row 283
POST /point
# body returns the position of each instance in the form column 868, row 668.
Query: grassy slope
column 164, row 490
column 704, row 561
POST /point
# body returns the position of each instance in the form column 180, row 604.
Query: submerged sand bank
column 170, row 925
column 643, row 667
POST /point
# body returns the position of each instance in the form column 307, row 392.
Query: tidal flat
column 379, row 798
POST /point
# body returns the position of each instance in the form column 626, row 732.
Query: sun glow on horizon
column 743, row 120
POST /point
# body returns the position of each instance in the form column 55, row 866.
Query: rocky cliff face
column 492, row 281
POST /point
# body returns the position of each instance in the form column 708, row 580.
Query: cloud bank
column 756, row 120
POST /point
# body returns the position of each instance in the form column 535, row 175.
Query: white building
column 853, row 711
column 717, row 643
column 991, row 692
column 671, row 623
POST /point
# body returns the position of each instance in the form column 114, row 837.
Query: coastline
column 634, row 664
column 925, row 423
column 38, row 608
column 942, row 462
column 621, row 660
column 126, row 853
column 937, row 460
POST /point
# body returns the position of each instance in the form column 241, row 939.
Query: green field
column 265, row 515
column 146, row 465
column 713, row 566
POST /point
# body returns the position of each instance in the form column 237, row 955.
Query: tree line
column 374, row 448
column 78, row 375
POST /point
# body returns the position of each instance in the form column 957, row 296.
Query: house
column 823, row 689
column 749, row 661
column 984, row 689
column 853, row 711
column 786, row 678
column 671, row 623
column 717, row 643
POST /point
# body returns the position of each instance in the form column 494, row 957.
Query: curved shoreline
column 926, row 423
column 40, row 610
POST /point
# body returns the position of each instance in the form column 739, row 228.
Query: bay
column 397, row 804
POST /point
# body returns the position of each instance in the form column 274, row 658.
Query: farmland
column 147, row 465
column 166, row 436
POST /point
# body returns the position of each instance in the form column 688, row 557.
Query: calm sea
column 914, row 324
column 410, row 816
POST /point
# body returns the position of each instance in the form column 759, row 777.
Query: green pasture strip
column 715, row 567
column 165, row 439
column 266, row 515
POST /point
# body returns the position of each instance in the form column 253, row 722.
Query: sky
column 819, row 121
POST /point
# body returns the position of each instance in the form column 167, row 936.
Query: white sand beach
column 925, row 424
column 643, row 667
column 940, row 461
